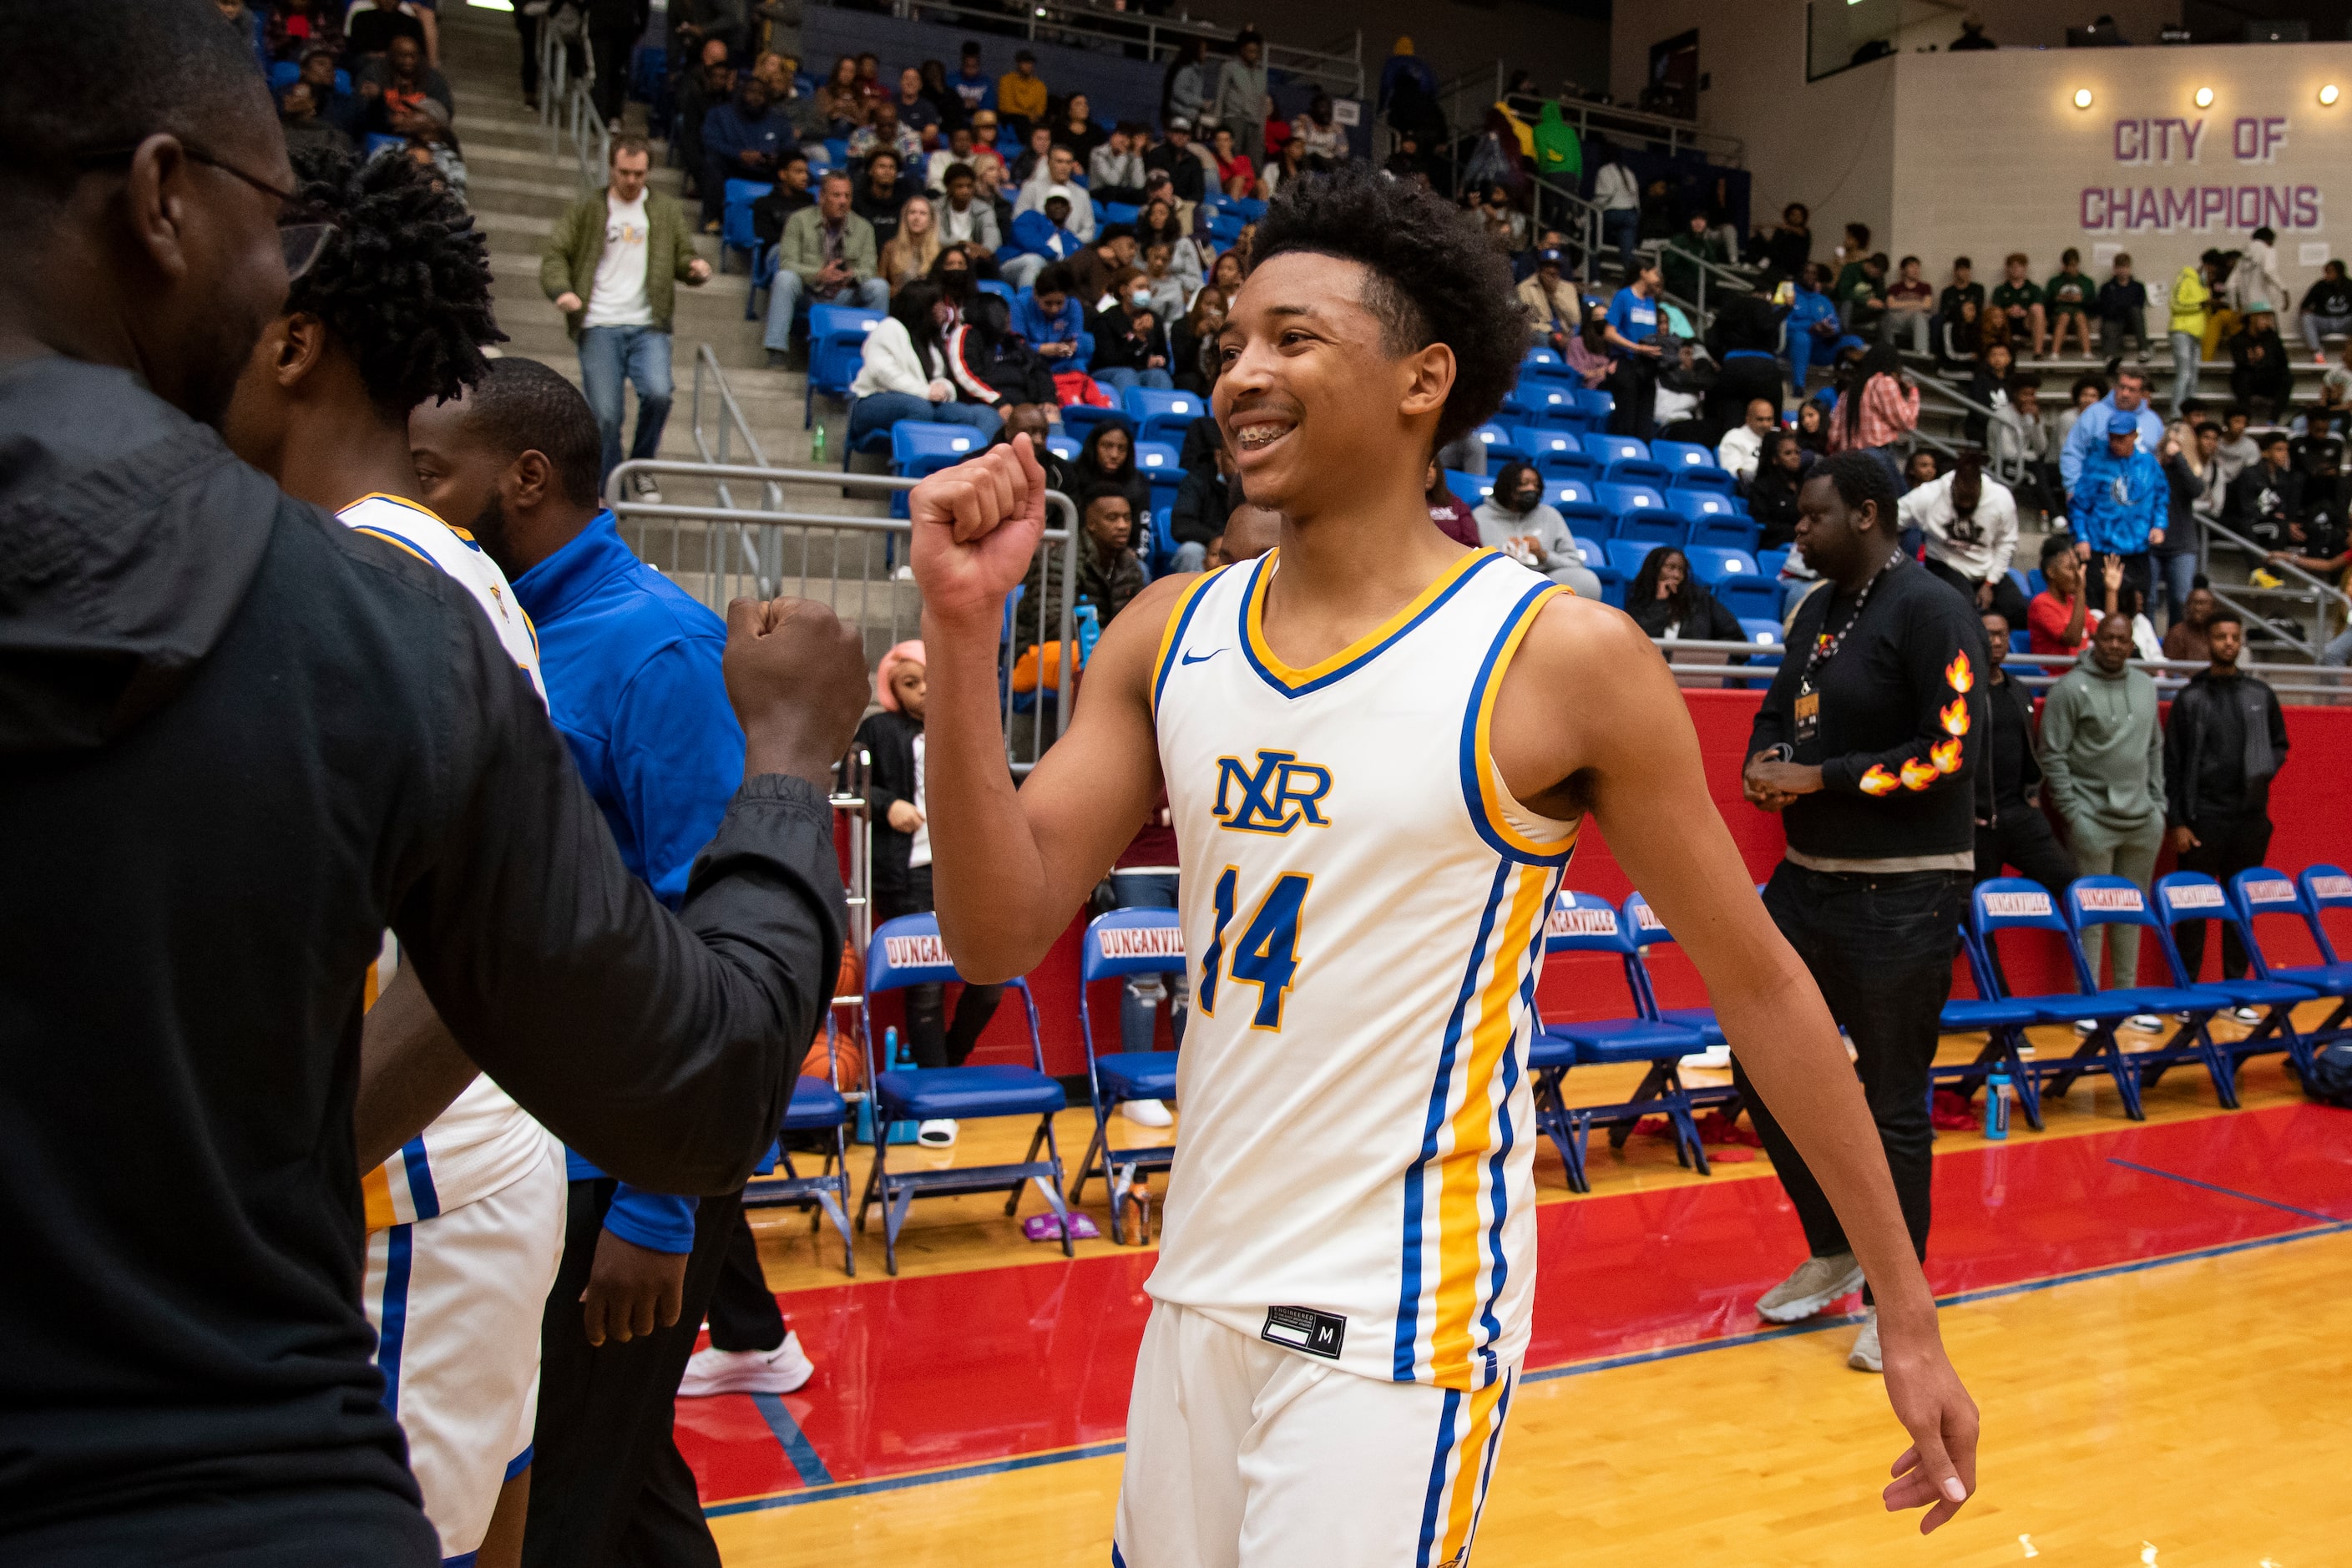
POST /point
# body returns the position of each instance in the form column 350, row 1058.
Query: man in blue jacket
column 747, row 139
column 1043, row 238
column 2121, row 497
column 2090, row 431
column 1052, row 321
column 1815, row 335
column 632, row 668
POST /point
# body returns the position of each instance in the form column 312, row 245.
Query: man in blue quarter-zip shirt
column 632, row 666
column 2121, row 497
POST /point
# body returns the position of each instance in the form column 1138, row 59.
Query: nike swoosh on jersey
column 1204, row 659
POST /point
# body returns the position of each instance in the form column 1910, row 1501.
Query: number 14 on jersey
column 1265, row 954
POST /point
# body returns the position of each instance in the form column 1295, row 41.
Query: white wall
column 1454, row 39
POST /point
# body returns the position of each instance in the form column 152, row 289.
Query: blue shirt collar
column 594, row 555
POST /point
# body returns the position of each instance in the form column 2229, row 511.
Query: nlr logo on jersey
column 1276, row 796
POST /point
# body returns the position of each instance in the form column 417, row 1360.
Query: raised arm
column 1010, row 866
column 1624, row 752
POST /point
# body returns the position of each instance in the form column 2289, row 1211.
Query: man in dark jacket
column 2264, row 502
column 2260, row 377
column 2227, row 739
column 1203, row 503
column 1108, row 573
column 246, row 740
column 745, row 139
column 2015, row 833
column 614, row 29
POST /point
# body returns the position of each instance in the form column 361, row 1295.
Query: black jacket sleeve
column 663, row 1048
column 1952, row 719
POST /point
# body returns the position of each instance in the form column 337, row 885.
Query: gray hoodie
column 2102, row 750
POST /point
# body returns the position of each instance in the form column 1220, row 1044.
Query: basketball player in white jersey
column 1378, row 748
column 465, row 1221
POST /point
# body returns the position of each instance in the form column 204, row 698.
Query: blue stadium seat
column 1597, row 561
column 1586, row 922
column 1161, row 471
column 1597, row 404
column 2002, row 1020
column 1762, row 629
column 816, row 1110
column 918, row 446
column 836, row 336
column 2013, row 903
column 836, row 151
column 1641, row 513
column 2183, row 896
column 1769, row 562
column 1062, row 447
column 1080, row 418
column 1572, row 499
column 1161, row 415
column 1502, row 445
column 1546, row 398
column 1469, row 488
column 2265, row 891
column 1120, row 212
column 1542, row 359
column 1751, row 598
column 1628, row 554
column 908, row 952
column 1118, row 944
column 1161, row 554
column 1714, row 564
column 2095, row 901
column 998, row 287
column 1692, row 466
column 735, row 231
column 284, row 74
column 1638, row 471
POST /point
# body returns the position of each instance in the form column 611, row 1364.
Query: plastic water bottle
column 816, row 444
column 1996, row 1123
column 1089, row 629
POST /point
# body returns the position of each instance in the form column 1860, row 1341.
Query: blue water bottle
column 1996, row 1123
column 1089, row 630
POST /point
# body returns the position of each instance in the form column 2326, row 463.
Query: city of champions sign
column 2206, row 178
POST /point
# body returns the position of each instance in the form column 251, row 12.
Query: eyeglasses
column 302, row 226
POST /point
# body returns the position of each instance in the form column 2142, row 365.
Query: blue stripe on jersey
column 1249, row 651
column 395, row 540
column 463, row 1560
column 421, row 1195
column 1486, row 1470
column 1472, row 792
column 521, row 1462
column 1501, row 1188
column 1408, row 1323
column 1116, row 1560
column 1437, row 1477
column 397, row 1242
column 1175, row 646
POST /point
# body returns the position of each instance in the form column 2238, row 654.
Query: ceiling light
column 2327, row 95
column 2082, row 97
column 2204, row 98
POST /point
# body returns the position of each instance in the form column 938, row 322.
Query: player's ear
column 528, row 481
column 1426, row 377
column 296, row 344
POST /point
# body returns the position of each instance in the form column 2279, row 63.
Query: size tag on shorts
column 1305, row 1328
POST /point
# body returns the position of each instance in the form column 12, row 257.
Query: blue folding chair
column 735, row 231
column 1470, row 487
column 2012, row 903
column 837, row 349
column 1692, row 466
column 2118, row 901
column 1120, row 943
column 2003, row 1022
column 2182, row 896
column 2267, row 891
column 1161, row 414
column 1502, row 445
column 1586, row 922
column 1619, row 448
column 817, row 1109
column 908, row 952
column 1648, row 931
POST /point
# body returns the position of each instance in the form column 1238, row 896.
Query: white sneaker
column 937, row 1134
column 2148, row 1021
column 2247, row 1015
column 646, row 488
column 2083, row 1026
column 1714, row 1059
column 1865, row 1356
column 1817, row 1282
column 1147, row 1113
column 779, row 1370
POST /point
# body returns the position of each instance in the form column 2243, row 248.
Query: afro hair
column 1435, row 279
column 403, row 284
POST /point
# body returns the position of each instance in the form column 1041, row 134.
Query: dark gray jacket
column 238, row 739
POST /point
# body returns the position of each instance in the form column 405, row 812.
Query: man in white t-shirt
column 613, row 266
column 1741, row 445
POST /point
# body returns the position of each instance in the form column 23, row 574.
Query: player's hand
column 1938, row 1470
column 797, row 678
column 976, row 527
column 632, row 1289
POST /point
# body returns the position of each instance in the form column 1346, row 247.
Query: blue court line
column 2331, row 1227
column 2225, row 1192
column 796, row 1446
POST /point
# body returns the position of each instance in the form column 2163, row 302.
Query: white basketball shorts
column 1243, row 1454
column 456, row 1302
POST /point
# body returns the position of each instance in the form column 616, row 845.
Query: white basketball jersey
column 1361, row 903
column 484, row 1141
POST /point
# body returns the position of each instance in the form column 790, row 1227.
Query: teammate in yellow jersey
column 1377, row 748
column 465, row 1219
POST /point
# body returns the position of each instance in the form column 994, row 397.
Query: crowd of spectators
column 357, row 76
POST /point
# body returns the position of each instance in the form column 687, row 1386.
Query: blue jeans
column 1191, row 556
column 1138, row 1002
column 787, row 295
column 1622, row 228
column 880, row 410
column 1121, row 377
column 2177, row 573
column 2314, row 327
column 610, row 355
column 2186, row 346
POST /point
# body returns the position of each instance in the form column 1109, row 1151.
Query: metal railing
column 567, row 106
column 2318, row 595
column 1338, row 66
column 2302, row 683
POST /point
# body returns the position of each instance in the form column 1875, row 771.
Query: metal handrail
column 762, row 558
column 567, row 106
column 2039, row 670
column 1582, row 112
column 2315, row 592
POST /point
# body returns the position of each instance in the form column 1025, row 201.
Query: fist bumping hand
column 796, row 675
column 976, row 526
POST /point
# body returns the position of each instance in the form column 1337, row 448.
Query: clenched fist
column 976, row 528
column 797, row 678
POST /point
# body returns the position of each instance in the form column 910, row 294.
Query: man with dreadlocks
column 464, row 1221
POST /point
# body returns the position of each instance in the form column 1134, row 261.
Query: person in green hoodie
column 2103, row 756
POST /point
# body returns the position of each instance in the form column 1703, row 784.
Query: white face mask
column 1139, row 299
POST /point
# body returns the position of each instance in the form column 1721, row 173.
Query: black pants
column 1744, row 378
column 2226, row 846
column 2021, row 836
column 608, row 1486
column 743, row 1311
column 934, row 1043
column 1881, row 950
column 613, row 52
column 2005, row 597
column 1634, row 384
